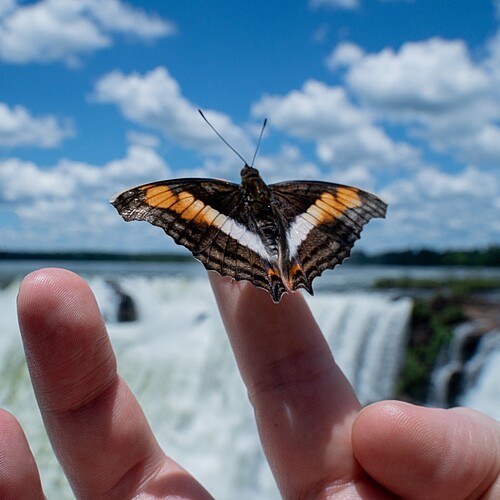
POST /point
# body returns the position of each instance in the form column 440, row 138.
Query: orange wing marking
column 327, row 208
column 183, row 203
column 192, row 209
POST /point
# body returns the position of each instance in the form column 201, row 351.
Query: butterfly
column 279, row 236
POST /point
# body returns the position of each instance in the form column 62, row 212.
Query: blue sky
column 399, row 97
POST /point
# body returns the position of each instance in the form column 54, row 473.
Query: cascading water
column 468, row 371
column 446, row 377
column 367, row 334
column 482, row 374
column 177, row 360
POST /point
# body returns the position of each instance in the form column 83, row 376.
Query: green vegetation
column 431, row 329
column 488, row 257
column 95, row 256
column 453, row 286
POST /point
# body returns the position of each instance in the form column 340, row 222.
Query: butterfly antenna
column 222, row 138
column 258, row 142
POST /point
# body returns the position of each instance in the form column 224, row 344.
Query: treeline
column 93, row 256
column 489, row 257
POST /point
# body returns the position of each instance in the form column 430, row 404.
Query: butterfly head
column 248, row 172
column 254, row 186
column 249, row 175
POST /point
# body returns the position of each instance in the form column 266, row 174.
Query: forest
column 487, row 257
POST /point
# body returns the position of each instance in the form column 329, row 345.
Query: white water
column 177, row 359
column 482, row 377
column 449, row 366
column 477, row 376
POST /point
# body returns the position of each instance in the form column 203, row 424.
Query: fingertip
column 414, row 451
column 262, row 332
column 248, row 300
column 64, row 337
column 42, row 293
column 53, row 293
column 19, row 477
column 230, row 292
column 46, row 277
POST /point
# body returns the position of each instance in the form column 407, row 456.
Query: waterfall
column 482, row 374
column 446, row 378
column 468, row 370
column 210, row 425
column 367, row 335
column 174, row 354
column 177, row 360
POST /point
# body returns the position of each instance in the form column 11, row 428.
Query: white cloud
column 483, row 146
column 432, row 185
column 287, row 164
column 366, row 145
column 492, row 62
column 155, row 100
column 66, row 205
column 434, row 89
column 429, row 76
column 142, row 139
column 345, row 135
column 345, row 54
column 315, row 111
column 439, row 210
column 64, row 30
column 141, row 164
column 21, row 180
column 19, row 128
column 335, row 4
column 120, row 17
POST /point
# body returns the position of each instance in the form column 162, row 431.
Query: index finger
column 95, row 424
column 304, row 405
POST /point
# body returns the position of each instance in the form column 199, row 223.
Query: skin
column 319, row 442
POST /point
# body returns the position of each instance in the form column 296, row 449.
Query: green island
column 439, row 306
column 430, row 331
column 487, row 257
column 454, row 286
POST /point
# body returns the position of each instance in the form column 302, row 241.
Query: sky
column 398, row 97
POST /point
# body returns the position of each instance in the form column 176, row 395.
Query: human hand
column 316, row 439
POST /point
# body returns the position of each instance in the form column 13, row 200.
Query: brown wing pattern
column 196, row 213
column 211, row 218
column 332, row 216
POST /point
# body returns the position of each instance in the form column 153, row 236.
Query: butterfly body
column 278, row 236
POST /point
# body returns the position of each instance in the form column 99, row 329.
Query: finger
column 303, row 404
column 429, row 453
column 19, row 476
column 95, row 424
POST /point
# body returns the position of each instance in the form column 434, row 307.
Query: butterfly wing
column 212, row 219
column 324, row 221
column 206, row 216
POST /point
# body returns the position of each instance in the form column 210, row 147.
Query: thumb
column 429, row 453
